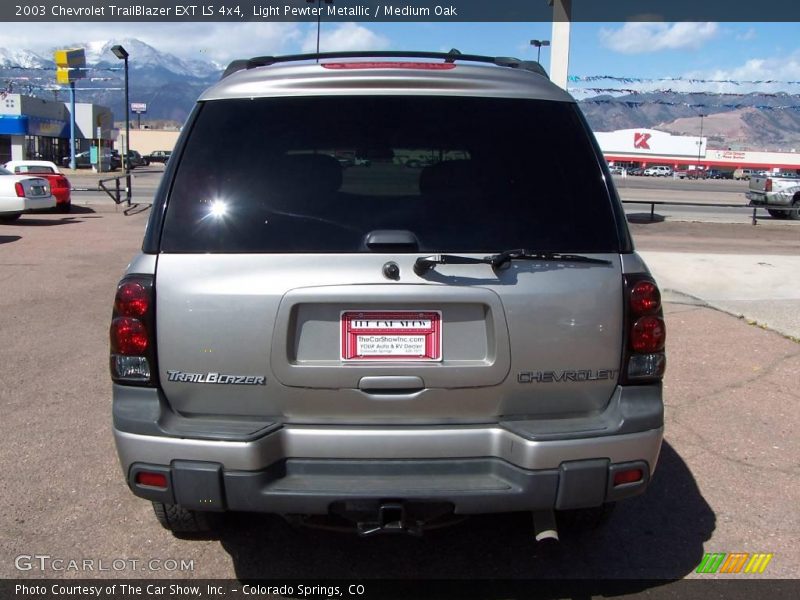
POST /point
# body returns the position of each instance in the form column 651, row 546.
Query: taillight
column 19, row 189
column 132, row 299
column 644, row 359
column 645, row 297
column 132, row 332
column 128, row 336
column 768, row 185
column 62, row 182
column 648, row 335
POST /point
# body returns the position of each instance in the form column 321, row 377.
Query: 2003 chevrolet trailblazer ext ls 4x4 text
column 389, row 347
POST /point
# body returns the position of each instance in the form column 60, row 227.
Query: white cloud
column 642, row 37
column 220, row 42
column 340, row 38
column 223, row 42
column 780, row 69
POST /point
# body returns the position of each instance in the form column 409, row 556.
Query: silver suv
column 437, row 329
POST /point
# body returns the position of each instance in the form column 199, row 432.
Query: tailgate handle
column 388, row 240
column 391, row 384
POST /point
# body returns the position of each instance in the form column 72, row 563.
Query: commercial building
column 648, row 147
column 37, row 128
column 149, row 140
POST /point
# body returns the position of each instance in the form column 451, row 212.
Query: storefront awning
column 29, row 125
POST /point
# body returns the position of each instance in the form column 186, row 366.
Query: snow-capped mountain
column 167, row 83
column 144, row 56
column 22, row 58
column 98, row 53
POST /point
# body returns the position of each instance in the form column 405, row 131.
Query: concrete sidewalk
column 764, row 289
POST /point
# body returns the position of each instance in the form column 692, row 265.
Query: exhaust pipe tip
column 547, row 534
column 544, row 526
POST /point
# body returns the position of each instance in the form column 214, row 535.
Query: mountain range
column 753, row 121
column 170, row 85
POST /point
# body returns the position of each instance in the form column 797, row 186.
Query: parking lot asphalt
column 727, row 480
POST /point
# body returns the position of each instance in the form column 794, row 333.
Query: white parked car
column 60, row 186
column 20, row 193
column 658, row 171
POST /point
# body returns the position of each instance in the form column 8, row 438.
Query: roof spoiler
column 450, row 57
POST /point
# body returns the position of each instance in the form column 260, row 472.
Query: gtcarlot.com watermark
column 58, row 564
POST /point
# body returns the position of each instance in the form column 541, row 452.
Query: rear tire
column 584, row 519
column 65, row 207
column 794, row 214
column 178, row 519
column 10, row 218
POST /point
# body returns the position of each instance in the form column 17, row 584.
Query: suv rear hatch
column 291, row 233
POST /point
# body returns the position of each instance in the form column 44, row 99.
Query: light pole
column 72, row 164
column 700, row 141
column 122, row 54
column 538, row 44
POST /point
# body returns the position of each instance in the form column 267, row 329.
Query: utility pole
column 700, row 141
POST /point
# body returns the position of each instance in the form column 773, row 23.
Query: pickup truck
column 779, row 194
column 689, row 174
column 159, row 156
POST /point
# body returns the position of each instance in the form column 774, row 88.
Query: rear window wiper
column 425, row 263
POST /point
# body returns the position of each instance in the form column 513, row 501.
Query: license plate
column 38, row 190
column 404, row 335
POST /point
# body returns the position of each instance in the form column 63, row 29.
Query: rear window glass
column 288, row 175
column 38, row 169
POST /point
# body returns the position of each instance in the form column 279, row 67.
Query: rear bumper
column 12, row 205
column 380, row 443
column 40, row 203
column 481, row 468
column 469, row 486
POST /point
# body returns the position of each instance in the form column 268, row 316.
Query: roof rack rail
column 450, row 57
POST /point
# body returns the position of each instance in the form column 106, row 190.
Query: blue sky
column 646, row 50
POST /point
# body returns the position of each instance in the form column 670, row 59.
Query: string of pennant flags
column 29, row 79
column 34, row 83
column 53, row 69
column 27, row 83
column 12, row 87
column 570, row 78
column 640, row 104
column 634, row 103
column 633, row 92
column 590, row 78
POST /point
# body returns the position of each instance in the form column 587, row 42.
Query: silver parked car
column 392, row 346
